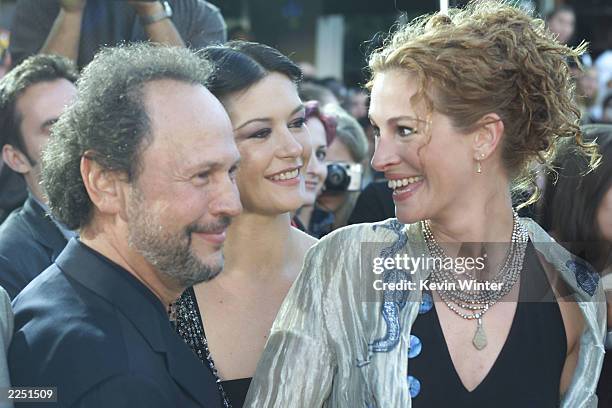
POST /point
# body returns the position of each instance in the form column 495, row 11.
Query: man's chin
column 213, row 264
column 214, row 272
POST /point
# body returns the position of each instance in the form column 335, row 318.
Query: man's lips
column 216, row 237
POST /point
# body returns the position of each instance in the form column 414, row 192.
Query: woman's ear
column 488, row 136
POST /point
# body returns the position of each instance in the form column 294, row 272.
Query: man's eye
column 233, row 172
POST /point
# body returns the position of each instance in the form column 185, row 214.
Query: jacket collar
column 145, row 312
column 42, row 227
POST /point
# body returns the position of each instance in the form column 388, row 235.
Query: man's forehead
column 179, row 103
column 46, row 99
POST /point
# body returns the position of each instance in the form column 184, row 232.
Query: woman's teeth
column 394, row 184
column 287, row 175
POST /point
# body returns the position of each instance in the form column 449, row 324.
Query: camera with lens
column 343, row 177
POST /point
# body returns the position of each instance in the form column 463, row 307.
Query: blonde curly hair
column 492, row 57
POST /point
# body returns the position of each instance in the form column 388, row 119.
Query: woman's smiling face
column 274, row 145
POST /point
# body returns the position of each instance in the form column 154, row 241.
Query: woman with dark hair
column 458, row 302
column 226, row 321
column 577, row 211
column 322, row 130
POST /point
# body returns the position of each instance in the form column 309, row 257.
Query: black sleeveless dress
column 190, row 327
column 527, row 371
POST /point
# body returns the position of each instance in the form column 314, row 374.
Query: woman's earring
column 478, row 166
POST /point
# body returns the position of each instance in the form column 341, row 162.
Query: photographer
column 76, row 29
column 345, row 156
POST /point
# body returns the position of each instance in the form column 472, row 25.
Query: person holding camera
column 227, row 321
column 345, row 156
column 322, row 130
column 76, row 29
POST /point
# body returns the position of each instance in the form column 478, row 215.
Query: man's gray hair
column 109, row 120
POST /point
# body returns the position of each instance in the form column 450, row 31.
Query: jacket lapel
column 190, row 373
column 147, row 314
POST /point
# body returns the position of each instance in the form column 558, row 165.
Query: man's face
column 39, row 106
column 185, row 194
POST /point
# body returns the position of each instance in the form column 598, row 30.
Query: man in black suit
column 143, row 165
column 32, row 97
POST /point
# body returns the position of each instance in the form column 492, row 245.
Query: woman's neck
column 487, row 218
column 258, row 246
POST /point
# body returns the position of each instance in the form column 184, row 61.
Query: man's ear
column 15, row 159
column 488, row 136
column 105, row 187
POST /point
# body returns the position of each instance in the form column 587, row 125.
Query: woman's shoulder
column 582, row 279
column 380, row 231
column 354, row 242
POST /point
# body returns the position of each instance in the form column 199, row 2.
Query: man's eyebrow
column 210, row 165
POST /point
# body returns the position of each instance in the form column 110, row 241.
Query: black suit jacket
column 29, row 242
column 13, row 191
column 91, row 329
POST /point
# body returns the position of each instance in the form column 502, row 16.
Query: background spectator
column 12, row 186
column 578, row 213
column 78, row 28
column 312, row 91
column 32, row 97
column 350, row 146
column 322, row 130
column 575, row 202
column 562, row 22
column 586, row 94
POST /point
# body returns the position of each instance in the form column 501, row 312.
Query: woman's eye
column 321, row 154
column 404, row 131
column 260, row 134
column 298, row 123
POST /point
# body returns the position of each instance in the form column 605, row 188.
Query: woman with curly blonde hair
column 457, row 302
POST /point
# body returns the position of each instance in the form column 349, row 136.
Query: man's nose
column 227, row 203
